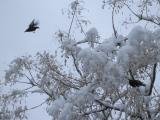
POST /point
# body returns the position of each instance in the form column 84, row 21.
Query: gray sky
column 17, row 14
column 15, row 17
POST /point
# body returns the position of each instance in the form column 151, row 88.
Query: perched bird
column 136, row 83
column 32, row 26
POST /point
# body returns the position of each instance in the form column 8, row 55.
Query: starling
column 136, row 83
column 32, row 26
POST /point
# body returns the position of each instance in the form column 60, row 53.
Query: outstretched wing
column 36, row 23
column 32, row 23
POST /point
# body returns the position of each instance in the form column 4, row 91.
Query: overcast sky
column 17, row 14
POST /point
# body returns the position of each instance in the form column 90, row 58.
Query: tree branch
column 95, row 111
column 32, row 81
column 153, row 79
column 114, row 30
column 75, row 64
column 141, row 17
column 137, row 115
column 74, row 14
column 82, row 30
column 27, row 109
column 110, row 106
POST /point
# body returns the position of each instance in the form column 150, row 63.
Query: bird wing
column 32, row 23
column 36, row 23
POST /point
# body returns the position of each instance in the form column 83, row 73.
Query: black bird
column 32, row 26
column 136, row 83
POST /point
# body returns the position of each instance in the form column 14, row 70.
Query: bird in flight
column 32, row 26
column 136, row 83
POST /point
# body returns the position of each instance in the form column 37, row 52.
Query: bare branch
column 85, row 41
column 95, row 111
column 141, row 17
column 27, row 109
column 32, row 81
column 76, row 66
column 121, row 109
column 66, row 84
column 23, row 82
column 82, row 30
column 74, row 14
column 110, row 106
column 114, row 30
column 153, row 79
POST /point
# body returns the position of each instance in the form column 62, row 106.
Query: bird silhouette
column 133, row 82
column 136, row 83
column 32, row 26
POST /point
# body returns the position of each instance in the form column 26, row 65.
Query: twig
column 141, row 17
column 119, row 95
column 153, row 79
column 119, row 109
column 109, row 106
column 80, row 25
column 114, row 30
column 35, row 106
column 75, row 64
column 85, row 41
column 95, row 111
column 64, row 83
column 61, row 75
column 32, row 81
column 23, row 82
column 74, row 13
column 28, row 88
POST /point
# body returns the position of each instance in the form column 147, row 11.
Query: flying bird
column 136, row 83
column 32, row 26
